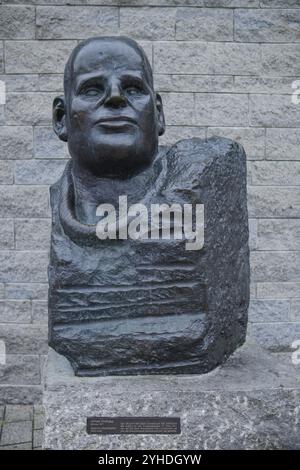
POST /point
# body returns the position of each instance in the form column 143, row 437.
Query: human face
column 112, row 113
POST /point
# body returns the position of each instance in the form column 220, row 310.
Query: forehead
column 106, row 56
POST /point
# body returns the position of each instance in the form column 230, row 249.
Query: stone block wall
column 223, row 67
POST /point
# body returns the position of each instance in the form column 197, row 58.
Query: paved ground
column 21, row 427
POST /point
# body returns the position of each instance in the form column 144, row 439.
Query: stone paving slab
column 21, row 427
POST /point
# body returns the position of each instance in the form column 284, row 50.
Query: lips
column 116, row 121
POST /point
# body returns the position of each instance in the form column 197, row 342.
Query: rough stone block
column 24, row 201
column 25, row 339
column 38, row 171
column 20, row 82
column 269, row 311
column 23, row 266
column 282, row 144
column 51, row 82
column 37, row 56
column 20, row 369
column 15, row 311
column 26, row 291
column 29, row 108
column 207, row 58
column 76, row 22
column 16, row 394
column 280, row 85
column 275, row 266
column 295, row 310
column 193, row 83
column 274, row 111
column 47, row 145
column 148, row 23
column 6, row 172
column 276, row 234
column 275, row 173
column 273, row 201
column 278, row 290
column 178, row 108
column 257, row 25
column 234, row 399
column 211, row 109
column 6, row 234
column 204, row 24
column 40, row 311
column 17, row 22
column 280, row 59
column 276, row 337
column 16, row 142
column 32, row 234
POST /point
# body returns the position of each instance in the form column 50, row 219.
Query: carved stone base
column 250, row 402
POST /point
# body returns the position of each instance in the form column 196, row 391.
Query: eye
column 133, row 90
column 93, row 91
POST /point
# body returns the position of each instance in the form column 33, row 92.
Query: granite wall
column 223, row 67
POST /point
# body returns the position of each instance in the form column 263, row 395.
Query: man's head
column 109, row 115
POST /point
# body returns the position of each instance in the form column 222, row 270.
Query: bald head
column 110, row 115
column 99, row 45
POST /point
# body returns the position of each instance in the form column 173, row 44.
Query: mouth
column 116, row 122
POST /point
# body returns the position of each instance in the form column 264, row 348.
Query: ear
column 59, row 118
column 160, row 115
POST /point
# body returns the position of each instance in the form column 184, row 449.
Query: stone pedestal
column 250, row 402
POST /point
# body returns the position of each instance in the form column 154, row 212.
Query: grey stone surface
column 280, row 60
column 75, row 22
column 273, row 111
column 32, row 234
column 148, row 23
column 17, row 22
column 15, row 311
column 275, row 266
column 207, row 58
column 282, row 144
column 23, row 266
column 295, row 310
column 24, row 339
column 212, row 109
column 15, row 413
column 16, row 394
column 257, row 25
column 6, row 172
column 273, row 201
column 25, row 290
column 28, row 108
column 24, row 201
column 6, row 234
column 20, row 369
column 262, row 310
column 16, row 432
column 37, row 56
column 277, row 337
column 205, row 24
column 16, row 142
column 275, row 173
column 40, row 311
column 38, row 171
column 47, row 145
column 278, row 290
column 277, row 234
column 251, row 402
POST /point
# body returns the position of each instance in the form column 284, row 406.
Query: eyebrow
column 86, row 78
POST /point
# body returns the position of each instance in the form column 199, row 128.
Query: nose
column 115, row 98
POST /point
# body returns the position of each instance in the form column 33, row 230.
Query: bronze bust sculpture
column 141, row 306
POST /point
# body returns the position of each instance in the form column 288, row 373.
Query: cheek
column 80, row 113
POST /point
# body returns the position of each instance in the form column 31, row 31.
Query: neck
column 91, row 190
